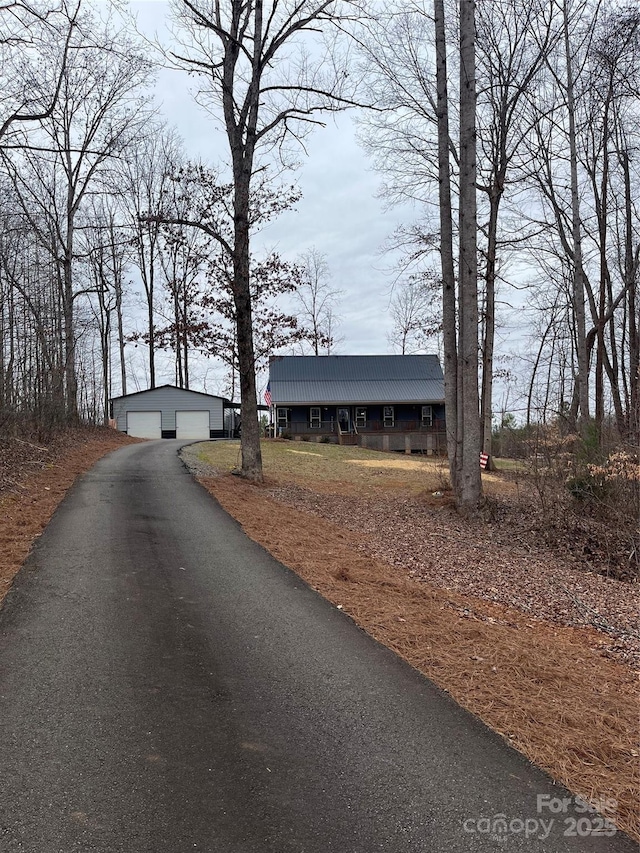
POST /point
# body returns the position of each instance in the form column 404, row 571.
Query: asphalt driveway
column 166, row 686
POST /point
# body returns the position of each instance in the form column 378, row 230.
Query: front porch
column 403, row 436
column 405, row 427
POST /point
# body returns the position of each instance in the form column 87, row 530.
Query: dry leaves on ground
column 484, row 623
column 33, row 480
column 433, row 544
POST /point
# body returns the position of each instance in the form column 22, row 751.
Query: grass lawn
column 348, row 468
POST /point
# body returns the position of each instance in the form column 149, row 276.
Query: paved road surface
column 166, row 686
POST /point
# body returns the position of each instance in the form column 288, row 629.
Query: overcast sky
column 339, row 213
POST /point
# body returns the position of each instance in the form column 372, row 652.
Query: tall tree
column 267, row 76
column 316, row 301
column 470, row 484
column 514, row 41
column 452, row 390
column 414, row 314
column 411, row 137
column 415, row 144
column 31, row 76
column 106, row 247
column 147, row 183
column 568, row 85
column 614, row 84
column 586, row 198
column 97, row 115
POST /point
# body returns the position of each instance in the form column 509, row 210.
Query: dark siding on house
column 406, row 417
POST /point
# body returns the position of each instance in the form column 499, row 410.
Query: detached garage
column 170, row 412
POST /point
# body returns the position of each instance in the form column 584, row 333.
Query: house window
column 361, row 417
column 427, row 416
column 388, row 416
column 282, row 418
column 314, row 417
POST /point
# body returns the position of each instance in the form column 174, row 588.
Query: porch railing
column 332, row 426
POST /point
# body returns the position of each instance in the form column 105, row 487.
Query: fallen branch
column 597, row 621
column 30, row 444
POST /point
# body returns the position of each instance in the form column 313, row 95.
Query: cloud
column 339, row 213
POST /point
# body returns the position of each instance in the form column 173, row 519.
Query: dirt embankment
column 33, row 480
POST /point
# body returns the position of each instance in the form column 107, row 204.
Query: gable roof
column 365, row 379
column 174, row 387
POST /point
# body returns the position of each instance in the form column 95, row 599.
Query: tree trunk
column 152, row 338
column 449, row 332
column 185, row 338
column 630, row 273
column 105, row 347
column 486, row 407
column 250, row 435
column 71, row 381
column 123, row 366
column 178, row 341
column 470, row 486
column 582, row 378
column 242, row 141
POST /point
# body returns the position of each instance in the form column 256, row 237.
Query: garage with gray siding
column 170, row 412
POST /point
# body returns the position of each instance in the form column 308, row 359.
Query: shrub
column 612, row 481
column 588, row 487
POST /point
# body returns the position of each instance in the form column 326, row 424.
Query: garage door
column 144, row 424
column 192, row 424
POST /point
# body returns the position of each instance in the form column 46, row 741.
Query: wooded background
column 527, row 111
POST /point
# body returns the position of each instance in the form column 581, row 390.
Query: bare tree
column 147, row 178
column 31, row 353
column 98, row 114
column 568, row 85
column 184, row 259
column 470, row 485
column 612, row 94
column 514, row 41
column 586, row 199
column 264, row 73
column 316, row 302
column 414, row 143
column 415, row 314
column 452, row 390
column 30, row 82
column 106, row 247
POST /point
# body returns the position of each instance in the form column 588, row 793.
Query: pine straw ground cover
column 33, row 480
column 531, row 666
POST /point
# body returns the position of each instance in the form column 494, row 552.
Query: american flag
column 267, row 394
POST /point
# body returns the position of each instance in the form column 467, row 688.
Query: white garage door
column 144, row 424
column 192, row 424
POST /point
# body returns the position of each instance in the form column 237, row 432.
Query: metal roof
column 175, row 388
column 334, row 379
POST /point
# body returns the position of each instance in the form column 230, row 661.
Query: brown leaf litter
column 486, row 621
column 34, row 479
column 506, row 627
